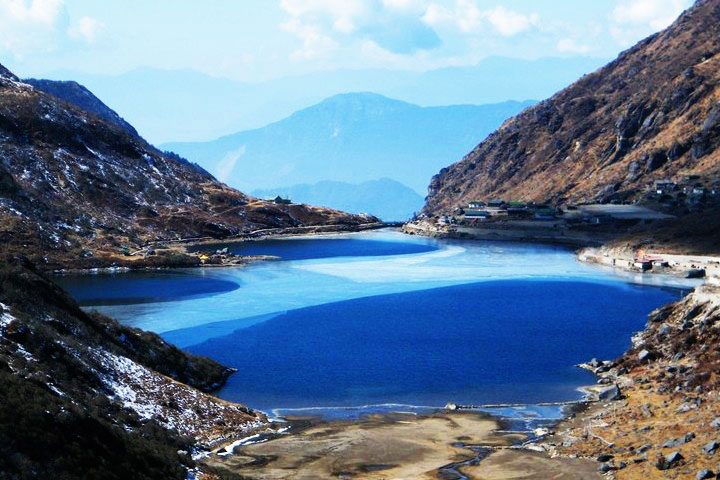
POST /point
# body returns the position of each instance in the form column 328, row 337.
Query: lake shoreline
column 445, row 444
column 175, row 254
column 634, row 431
column 591, row 249
column 505, row 459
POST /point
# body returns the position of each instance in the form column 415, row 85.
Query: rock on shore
column 668, row 417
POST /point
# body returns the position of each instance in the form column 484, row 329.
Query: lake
column 381, row 320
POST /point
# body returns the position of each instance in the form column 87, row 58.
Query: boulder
column 711, row 447
column 644, row 355
column 669, row 461
column 609, row 393
column 676, row 442
column 696, row 273
column 715, row 423
column 704, row 474
column 664, row 329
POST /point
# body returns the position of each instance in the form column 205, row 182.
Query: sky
column 258, row 40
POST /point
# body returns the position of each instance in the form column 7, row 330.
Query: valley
column 550, row 309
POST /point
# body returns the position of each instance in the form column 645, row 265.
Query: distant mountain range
column 386, row 199
column 349, row 138
column 78, row 184
column 185, row 105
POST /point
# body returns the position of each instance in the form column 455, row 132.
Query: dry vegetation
column 651, row 114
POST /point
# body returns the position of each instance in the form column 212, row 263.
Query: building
column 543, row 212
column 698, row 191
column 476, row 205
column 663, row 187
column 496, row 203
column 643, row 265
column 518, row 209
column 477, row 215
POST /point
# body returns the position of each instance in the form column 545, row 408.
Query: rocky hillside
column 78, row 95
column 84, row 397
column 653, row 113
column 74, row 186
column 665, row 422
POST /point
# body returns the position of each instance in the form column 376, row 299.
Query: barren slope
column 653, row 113
column 73, row 185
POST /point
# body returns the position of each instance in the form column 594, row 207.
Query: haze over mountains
column 184, row 105
column 384, row 198
column 76, row 181
column 349, row 138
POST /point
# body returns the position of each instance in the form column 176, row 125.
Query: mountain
column 651, row 114
column 349, row 138
column 84, row 397
column 186, row 105
column 76, row 189
column 386, row 199
column 76, row 94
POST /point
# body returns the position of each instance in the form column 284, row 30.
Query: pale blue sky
column 255, row 40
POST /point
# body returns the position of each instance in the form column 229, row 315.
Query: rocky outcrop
column 84, row 397
column 76, row 188
column 651, row 114
column 667, row 418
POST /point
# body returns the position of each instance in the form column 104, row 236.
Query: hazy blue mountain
column 350, row 138
column 385, row 198
column 185, row 105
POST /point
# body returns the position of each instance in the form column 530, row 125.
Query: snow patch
column 5, row 319
column 174, row 405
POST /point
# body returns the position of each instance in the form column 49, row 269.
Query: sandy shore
column 399, row 446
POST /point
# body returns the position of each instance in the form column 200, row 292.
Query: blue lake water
column 142, row 287
column 381, row 318
column 300, row 248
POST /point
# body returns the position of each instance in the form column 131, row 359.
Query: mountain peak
column 7, row 74
column 356, row 99
column 99, row 192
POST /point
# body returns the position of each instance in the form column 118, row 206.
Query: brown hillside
column 653, row 113
column 76, row 186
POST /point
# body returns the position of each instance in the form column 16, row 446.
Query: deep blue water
column 489, row 342
column 382, row 318
column 307, row 248
column 141, row 287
